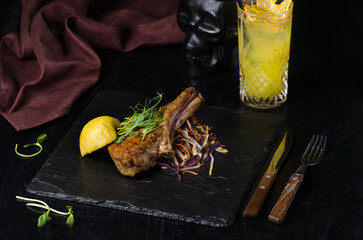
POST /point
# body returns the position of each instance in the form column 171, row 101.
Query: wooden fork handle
column 258, row 198
column 279, row 211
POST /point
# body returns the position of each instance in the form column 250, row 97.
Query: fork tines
column 315, row 149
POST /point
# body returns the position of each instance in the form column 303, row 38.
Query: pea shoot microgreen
column 145, row 116
column 70, row 218
column 40, row 139
column 44, row 218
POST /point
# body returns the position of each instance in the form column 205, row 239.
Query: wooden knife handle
column 279, row 211
column 258, row 198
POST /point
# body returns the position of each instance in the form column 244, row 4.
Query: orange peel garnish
column 252, row 13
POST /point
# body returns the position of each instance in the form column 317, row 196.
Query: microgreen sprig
column 40, row 139
column 145, row 116
column 44, row 218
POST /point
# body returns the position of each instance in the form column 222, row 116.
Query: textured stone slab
column 208, row 200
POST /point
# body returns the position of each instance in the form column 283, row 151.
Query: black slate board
column 213, row 201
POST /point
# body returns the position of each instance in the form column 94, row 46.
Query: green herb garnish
column 145, row 116
column 44, row 218
column 70, row 219
column 40, row 139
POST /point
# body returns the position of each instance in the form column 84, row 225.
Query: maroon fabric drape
column 51, row 62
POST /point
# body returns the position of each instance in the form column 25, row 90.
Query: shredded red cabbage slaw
column 194, row 145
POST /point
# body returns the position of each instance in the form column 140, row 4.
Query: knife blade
column 254, row 206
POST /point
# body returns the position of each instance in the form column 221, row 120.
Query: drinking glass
column 264, row 50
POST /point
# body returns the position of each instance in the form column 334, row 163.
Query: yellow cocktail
column 264, row 49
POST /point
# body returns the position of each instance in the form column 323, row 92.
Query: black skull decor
column 211, row 35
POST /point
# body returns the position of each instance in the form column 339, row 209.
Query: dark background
column 325, row 97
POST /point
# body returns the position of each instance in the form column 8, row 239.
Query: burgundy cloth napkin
column 51, row 62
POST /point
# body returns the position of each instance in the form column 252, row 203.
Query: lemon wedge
column 97, row 133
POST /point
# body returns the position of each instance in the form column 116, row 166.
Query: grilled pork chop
column 134, row 155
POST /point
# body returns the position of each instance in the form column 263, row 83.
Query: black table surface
column 325, row 97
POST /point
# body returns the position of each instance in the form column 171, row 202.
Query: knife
column 258, row 198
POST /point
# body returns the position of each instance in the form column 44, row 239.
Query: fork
column 312, row 156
